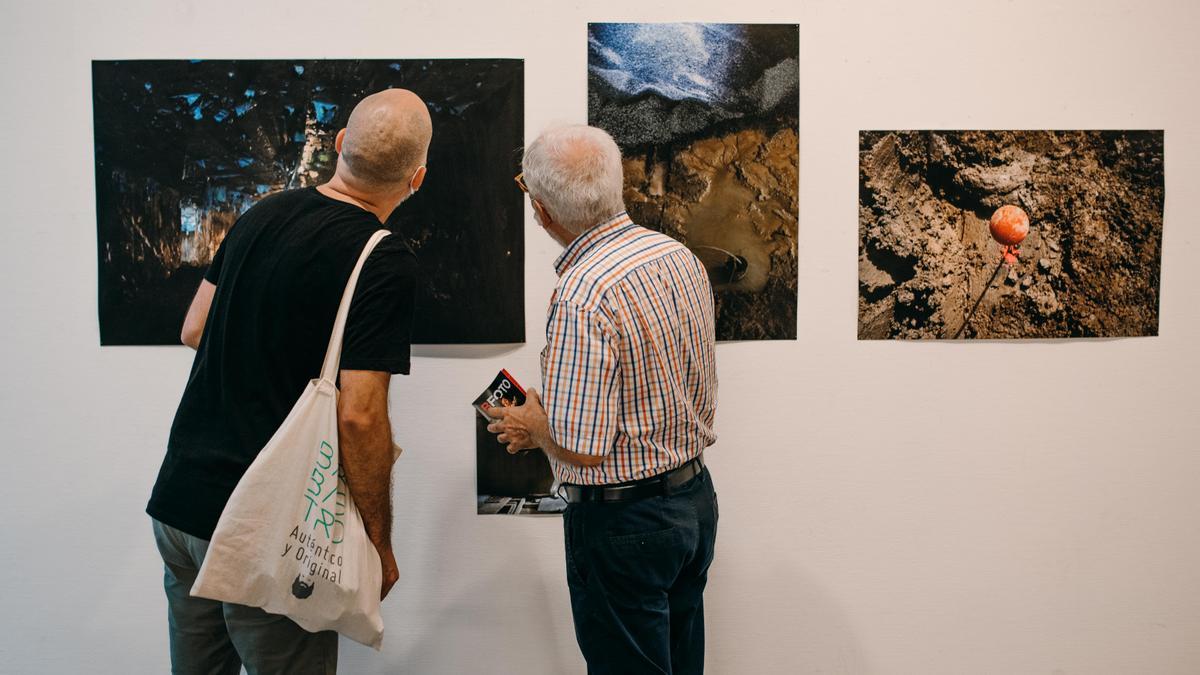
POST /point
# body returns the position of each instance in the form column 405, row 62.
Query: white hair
column 575, row 172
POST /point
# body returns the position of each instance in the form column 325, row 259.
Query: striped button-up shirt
column 629, row 368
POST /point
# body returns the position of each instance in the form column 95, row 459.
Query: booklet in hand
column 504, row 392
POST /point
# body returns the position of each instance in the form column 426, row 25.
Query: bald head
column 386, row 140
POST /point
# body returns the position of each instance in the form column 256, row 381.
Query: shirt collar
column 589, row 240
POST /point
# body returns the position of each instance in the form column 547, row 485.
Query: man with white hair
column 630, row 384
column 260, row 323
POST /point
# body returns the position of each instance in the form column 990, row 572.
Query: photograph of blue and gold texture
column 707, row 118
column 184, row 147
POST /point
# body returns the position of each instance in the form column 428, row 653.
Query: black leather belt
column 662, row 484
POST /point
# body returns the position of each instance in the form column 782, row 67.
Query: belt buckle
column 694, row 466
column 572, row 493
column 667, row 489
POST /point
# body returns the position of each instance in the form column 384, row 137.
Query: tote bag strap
column 333, row 353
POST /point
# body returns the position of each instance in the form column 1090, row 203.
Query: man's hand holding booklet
column 506, row 392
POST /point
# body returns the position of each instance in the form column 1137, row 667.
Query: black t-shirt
column 280, row 274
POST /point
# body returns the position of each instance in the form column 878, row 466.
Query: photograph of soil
column 184, row 147
column 707, row 118
column 1009, row 234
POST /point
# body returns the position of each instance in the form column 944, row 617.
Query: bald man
column 260, row 324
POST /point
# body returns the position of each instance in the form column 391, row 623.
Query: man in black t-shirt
column 260, row 323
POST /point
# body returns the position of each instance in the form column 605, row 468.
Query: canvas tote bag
column 290, row 539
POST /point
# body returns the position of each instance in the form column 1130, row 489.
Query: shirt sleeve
column 214, row 268
column 379, row 328
column 581, row 379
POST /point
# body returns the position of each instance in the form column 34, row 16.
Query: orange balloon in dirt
column 1009, row 225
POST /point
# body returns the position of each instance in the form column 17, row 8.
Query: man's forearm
column 554, row 450
column 366, row 457
column 527, row 426
column 545, row 440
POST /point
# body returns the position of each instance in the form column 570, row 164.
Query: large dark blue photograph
column 707, row 118
column 185, row 147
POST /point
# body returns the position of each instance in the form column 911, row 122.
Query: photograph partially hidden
column 518, row 484
column 509, row 484
column 707, row 118
column 185, row 147
column 1009, row 234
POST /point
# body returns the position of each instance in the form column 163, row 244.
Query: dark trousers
column 636, row 571
column 221, row 638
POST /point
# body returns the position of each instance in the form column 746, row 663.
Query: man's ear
column 543, row 215
column 418, row 178
column 337, row 142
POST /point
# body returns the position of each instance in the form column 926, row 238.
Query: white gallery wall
column 887, row 507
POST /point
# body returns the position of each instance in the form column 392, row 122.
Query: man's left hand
column 520, row 427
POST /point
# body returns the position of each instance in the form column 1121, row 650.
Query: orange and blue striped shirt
column 629, row 368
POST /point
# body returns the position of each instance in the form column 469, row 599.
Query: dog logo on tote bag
column 300, row 589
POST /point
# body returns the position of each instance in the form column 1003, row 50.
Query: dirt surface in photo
column 1089, row 267
column 731, row 193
